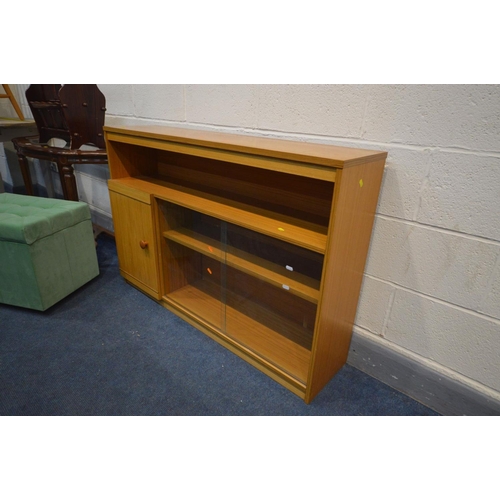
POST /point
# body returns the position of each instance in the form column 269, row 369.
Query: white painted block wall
column 431, row 289
column 432, row 283
column 6, row 108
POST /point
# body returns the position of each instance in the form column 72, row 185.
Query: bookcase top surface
column 322, row 154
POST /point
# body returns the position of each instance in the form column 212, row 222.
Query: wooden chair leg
column 25, row 171
column 68, row 181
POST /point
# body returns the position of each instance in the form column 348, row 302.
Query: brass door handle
column 143, row 244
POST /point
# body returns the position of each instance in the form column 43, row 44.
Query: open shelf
column 298, row 232
column 295, row 283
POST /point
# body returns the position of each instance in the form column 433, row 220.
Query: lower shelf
column 202, row 300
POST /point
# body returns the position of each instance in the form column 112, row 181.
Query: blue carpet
column 109, row 350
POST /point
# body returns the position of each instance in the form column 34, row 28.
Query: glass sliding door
column 272, row 297
column 194, row 260
column 259, row 291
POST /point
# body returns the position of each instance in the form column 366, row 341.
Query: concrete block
column 329, row 110
column 462, row 116
column 119, row 99
column 449, row 267
column 93, row 191
column 490, row 304
column 373, row 305
column 159, row 102
column 13, row 174
column 464, row 342
column 4, row 167
column 462, row 194
column 6, row 109
column 228, row 105
column 404, row 175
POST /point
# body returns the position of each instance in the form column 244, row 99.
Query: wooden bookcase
column 259, row 243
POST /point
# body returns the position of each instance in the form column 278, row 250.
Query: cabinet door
column 135, row 242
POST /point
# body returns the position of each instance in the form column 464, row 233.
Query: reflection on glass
column 260, row 291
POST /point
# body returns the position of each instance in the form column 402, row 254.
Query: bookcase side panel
column 356, row 194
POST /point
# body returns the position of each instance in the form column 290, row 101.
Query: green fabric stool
column 47, row 250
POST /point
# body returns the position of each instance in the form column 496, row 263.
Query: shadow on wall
column 383, row 305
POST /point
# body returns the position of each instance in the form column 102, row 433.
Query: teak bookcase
column 260, row 243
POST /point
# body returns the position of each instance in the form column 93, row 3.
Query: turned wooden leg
column 25, row 170
column 68, row 181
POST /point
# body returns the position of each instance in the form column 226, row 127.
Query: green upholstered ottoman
column 47, row 250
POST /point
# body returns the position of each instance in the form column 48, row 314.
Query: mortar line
column 322, row 139
column 482, row 239
column 436, row 299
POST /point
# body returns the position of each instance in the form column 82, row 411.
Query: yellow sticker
column 280, row 229
column 360, row 183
